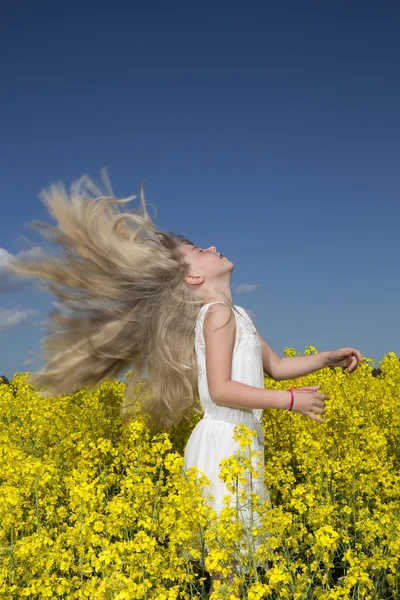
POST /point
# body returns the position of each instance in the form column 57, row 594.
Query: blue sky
column 270, row 130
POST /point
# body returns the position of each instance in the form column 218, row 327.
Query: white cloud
column 10, row 282
column 29, row 359
column 14, row 317
column 246, row 288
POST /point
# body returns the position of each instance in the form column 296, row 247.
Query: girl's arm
column 290, row 367
column 219, row 336
column 296, row 366
column 293, row 366
column 270, row 359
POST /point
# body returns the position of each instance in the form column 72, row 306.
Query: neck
column 218, row 294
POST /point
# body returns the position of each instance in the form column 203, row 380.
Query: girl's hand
column 344, row 357
column 308, row 401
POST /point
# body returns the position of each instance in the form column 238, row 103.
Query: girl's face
column 206, row 264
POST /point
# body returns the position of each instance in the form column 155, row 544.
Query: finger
column 318, row 409
column 353, row 364
column 309, row 388
column 319, row 403
column 314, row 418
column 322, row 397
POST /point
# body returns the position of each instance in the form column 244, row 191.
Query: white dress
column 212, row 438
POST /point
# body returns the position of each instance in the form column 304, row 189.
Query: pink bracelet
column 291, row 390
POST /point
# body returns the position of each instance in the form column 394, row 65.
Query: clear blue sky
column 271, row 130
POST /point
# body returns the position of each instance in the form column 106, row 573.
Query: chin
column 229, row 261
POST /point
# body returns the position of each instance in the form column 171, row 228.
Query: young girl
column 153, row 302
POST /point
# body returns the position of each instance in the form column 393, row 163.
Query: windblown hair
column 121, row 281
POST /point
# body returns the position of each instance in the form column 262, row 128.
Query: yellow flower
column 95, row 509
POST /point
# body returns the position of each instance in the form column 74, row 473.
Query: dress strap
column 216, row 302
column 204, row 308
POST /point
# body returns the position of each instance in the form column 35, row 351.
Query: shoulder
column 218, row 314
column 215, row 322
column 217, row 309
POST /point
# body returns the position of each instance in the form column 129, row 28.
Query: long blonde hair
column 122, row 282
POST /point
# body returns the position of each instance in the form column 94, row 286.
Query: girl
column 155, row 303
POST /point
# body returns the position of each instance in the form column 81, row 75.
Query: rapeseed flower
column 94, row 509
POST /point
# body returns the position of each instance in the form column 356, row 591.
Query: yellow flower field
column 92, row 509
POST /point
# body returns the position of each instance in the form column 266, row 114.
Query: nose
column 213, row 248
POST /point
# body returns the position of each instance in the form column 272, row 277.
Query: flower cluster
column 92, row 508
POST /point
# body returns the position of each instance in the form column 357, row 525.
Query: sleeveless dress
column 212, row 438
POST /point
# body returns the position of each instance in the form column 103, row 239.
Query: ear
column 194, row 279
